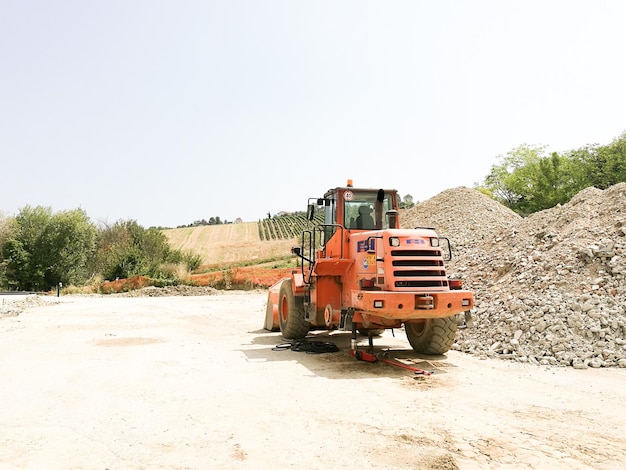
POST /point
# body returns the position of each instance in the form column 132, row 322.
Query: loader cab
column 359, row 209
column 367, row 209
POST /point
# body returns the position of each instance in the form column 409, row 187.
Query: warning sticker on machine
column 369, row 260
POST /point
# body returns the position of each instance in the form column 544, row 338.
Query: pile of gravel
column 550, row 288
column 169, row 291
column 12, row 308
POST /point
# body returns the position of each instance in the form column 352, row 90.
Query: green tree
column 44, row 249
column 126, row 249
column 556, row 183
column 71, row 237
column 512, row 180
column 528, row 181
column 601, row 166
column 406, row 202
column 617, row 151
column 22, row 251
column 4, row 235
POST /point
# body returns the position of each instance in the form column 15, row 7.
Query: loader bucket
column 271, row 309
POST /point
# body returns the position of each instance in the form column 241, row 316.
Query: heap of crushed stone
column 14, row 308
column 549, row 288
column 467, row 217
column 169, row 291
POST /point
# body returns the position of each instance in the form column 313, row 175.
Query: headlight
column 434, row 241
column 394, row 241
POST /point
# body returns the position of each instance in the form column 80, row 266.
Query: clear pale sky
column 167, row 112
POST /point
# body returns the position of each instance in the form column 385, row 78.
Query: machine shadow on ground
column 271, row 346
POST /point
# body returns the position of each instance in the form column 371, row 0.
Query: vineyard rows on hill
column 285, row 227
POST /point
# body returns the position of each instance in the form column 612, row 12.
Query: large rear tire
column 432, row 336
column 291, row 313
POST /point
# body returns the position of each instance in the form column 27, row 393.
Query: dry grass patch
column 227, row 243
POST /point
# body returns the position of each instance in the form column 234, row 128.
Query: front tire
column 291, row 313
column 433, row 336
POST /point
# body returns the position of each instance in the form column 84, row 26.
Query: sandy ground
column 193, row 382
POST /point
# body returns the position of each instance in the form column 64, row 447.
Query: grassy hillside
column 228, row 243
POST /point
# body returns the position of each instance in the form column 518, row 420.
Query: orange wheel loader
column 359, row 271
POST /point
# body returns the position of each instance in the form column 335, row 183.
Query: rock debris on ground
column 549, row 288
column 169, row 291
column 13, row 308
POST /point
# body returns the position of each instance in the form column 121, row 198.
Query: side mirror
column 446, row 248
column 310, row 212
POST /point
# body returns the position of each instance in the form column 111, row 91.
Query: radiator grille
column 418, row 269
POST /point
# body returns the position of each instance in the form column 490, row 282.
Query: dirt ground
column 95, row 382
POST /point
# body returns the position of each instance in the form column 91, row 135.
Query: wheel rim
column 284, row 308
column 417, row 328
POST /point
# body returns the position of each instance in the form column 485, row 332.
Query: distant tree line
column 201, row 222
column 40, row 249
column 287, row 214
column 528, row 180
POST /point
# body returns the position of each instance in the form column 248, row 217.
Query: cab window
column 361, row 212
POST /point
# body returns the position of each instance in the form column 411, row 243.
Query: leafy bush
column 126, row 249
column 40, row 249
column 43, row 249
column 528, row 180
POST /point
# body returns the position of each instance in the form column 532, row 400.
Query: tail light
column 455, row 284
